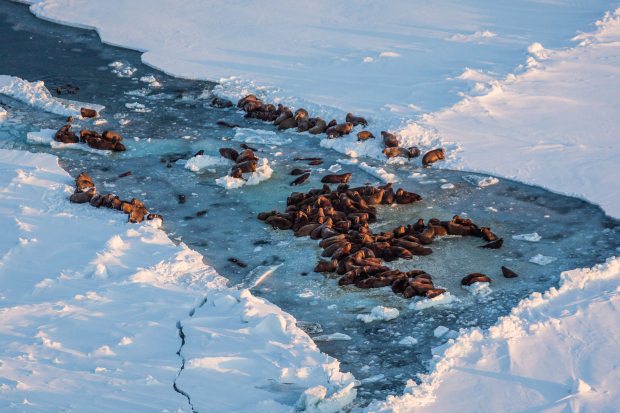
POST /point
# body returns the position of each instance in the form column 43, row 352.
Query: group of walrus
column 340, row 220
column 284, row 118
column 108, row 140
column 245, row 162
column 85, row 191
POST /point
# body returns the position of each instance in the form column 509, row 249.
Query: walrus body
column 433, row 156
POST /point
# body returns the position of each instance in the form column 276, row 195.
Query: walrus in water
column 389, row 139
column 356, row 120
column 246, row 155
column 298, row 171
column 288, row 123
column 66, row 135
column 364, row 135
column 475, row 277
column 433, row 156
column 111, row 136
column 301, row 179
column 508, row 273
column 221, row 103
column 229, row 153
column 337, row 179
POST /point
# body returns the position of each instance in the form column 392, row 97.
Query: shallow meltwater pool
column 166, row 120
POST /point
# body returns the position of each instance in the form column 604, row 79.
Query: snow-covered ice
column 201, row 163
column 263, row 172
column 533, row 237
column 90, row 323
column 37, row 95
column 379, row 313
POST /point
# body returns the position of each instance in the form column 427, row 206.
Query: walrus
column 298, row 171
column 246, row 166
column 433, row 156
column 475, row 277
column 287, row 123
column 301, row 114
column 229, row 153
column 339, row 130
column 246, row 155
column 497, row 244
column 226, row 124
column 508, row 273
column 81, row 197
column 315, row 162
column 278, row 222
column 389, row 139
column 245, row 99
column 336, row 179
column 66, row 135
column 252, row 106
column 301, row 179
column 434, row 292
column 405, row 197
column 319, row 126
column 393, row 152
column 151, row 217
column 356, row 120
column 221, row 103
column 85, row 133
column 413, row 152
column 285, row 114
column 364, row 135
column 88, row 113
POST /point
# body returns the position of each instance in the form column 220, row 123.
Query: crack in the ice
column 179, row 353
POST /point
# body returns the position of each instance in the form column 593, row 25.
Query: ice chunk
column 263, row 172
column 440, row 331
column 533, row 237
column 265, row 137
column 332, row 337
column 199, row 163
column 442, row 299
column 542, row 259
column 379, row 313
column 481, row 181
column 408, row 341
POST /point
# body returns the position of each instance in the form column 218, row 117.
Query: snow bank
column 556, row 351
column 36, row 95
column 90, row 307
column 552, row 125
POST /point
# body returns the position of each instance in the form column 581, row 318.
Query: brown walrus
column 475, row 277
column 66, row 135
column 364, row 135
column 298, row 171
column 88, row 113
column 221, row 103
column 356, row 120
column 339, row 130
column 433, row 156
column 336, row 179
column 389, row 139
column 301, row 179
column 319, row 126
column 246, row 155
column 111, row 136
column 497, row 244
column 229, row 153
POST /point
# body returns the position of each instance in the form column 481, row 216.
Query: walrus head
column 301, row 114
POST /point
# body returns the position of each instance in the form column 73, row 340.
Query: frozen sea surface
column 168, row 120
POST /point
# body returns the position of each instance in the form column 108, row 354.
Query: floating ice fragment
column 447, row 186
column 442, row 299
column 533, row 237
column 379, row 313
column 408, row 341
column 542, row 259
column 481, row 181
column 199, row 163
column 440, row 331
column 332, row 337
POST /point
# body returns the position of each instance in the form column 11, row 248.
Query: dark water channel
column 176, row 121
